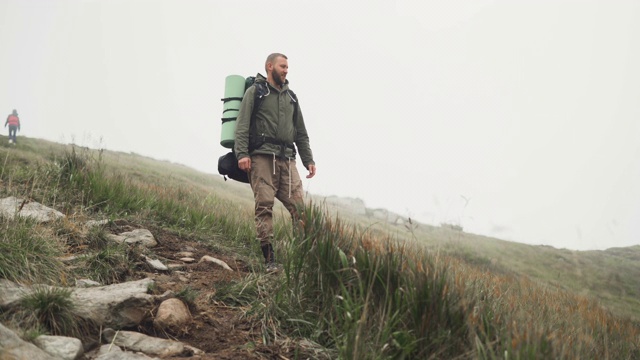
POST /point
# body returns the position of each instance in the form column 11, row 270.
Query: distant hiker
column 265, row 149
column 14, row 125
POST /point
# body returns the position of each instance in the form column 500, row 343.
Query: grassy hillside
column 355, row 287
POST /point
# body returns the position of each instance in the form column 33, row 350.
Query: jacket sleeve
column 243, row 124
column 302, row 141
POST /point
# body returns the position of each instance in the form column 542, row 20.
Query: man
column 265, row 149
column 14, row 125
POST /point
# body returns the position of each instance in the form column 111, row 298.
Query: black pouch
column 228, row 166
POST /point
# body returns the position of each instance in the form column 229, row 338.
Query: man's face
column 279, row 70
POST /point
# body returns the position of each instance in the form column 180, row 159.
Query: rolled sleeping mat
column 233, row 92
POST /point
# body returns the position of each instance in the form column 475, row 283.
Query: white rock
column 156, row 264
column 143, row 237
column 184, row 254
column 216, row 261
column 12, row 206
column 118, row 305
column 146, row 344
column 12, row 347
column 66, row 348
column 188, row 260
column 85, row 283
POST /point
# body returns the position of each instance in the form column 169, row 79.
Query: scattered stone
column 12, row 206
column 193, row 350
column 189, row 248
column 185, row 254
column 165, row 296
column 183, row 278
column 65, row 348
column 85, row 283
column 146, row 344
column 172, row 316
column 94, row 223
column 69, row 258
column 156, row 264
column 216, row 261
column 113, row 352
column 175, row 266
column 12, row 347
column 137, row 236
column 188, row 260
column 117, row 305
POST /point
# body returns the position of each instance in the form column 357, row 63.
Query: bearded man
column 267, row 136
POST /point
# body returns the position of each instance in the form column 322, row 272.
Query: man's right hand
column 245, row 164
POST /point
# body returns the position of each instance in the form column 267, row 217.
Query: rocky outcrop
column 119, row 305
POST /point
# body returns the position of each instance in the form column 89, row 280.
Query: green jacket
column 274, row 119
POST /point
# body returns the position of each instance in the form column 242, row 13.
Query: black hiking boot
column 270, row 259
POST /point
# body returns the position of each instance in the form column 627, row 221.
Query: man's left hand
column 312, row 171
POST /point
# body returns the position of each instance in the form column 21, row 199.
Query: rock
column 68, row 258
column 216, row 261
column 138, row 236
column 11, row 293
column 12, row 347
column 12, row 206
column 172, row 316
column 188, row 260
column 175, row 266
column 94, row 223
column 165, row 296
column 184, row 254
column 85, row 283
column 193, row 350
column 156, row 264
column 113, row 352
column 107, row 348
column 66, row 348
column 146, row 344
column 119, row 305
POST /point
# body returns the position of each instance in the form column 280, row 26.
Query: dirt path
column 223, row 332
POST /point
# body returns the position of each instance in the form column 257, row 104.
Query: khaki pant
column 272, row 179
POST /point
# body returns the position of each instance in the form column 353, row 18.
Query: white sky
column 529, row 109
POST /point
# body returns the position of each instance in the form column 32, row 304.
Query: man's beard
column 276, row 77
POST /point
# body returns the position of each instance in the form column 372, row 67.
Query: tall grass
column 175, row 207
column 375, row 298
column 28, row 254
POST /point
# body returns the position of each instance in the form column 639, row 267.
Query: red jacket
column 13, row 120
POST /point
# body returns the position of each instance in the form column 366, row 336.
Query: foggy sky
column 514, row 119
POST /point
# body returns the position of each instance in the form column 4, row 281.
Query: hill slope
column 363, row 282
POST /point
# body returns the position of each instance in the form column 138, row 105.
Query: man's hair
column 271, row 58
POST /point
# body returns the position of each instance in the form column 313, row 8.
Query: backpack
column 228, row 166
column 228, row 163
